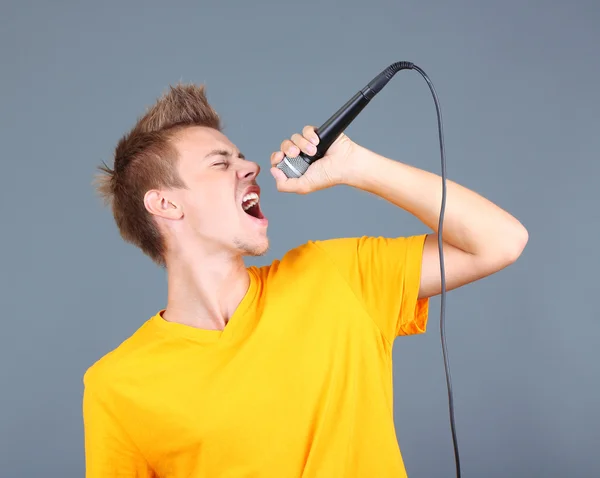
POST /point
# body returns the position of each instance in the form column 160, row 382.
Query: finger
column 276, row 157
column 289, row 148
column 290, row 185
column 309, row 132
column 304, row 144
column 281, row 180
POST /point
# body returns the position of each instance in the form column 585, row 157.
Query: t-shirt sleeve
column 108, row 449
column 385, row 275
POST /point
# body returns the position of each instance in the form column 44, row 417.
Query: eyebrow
column 222, row 152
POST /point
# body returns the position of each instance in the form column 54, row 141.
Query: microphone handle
column 334, row 126
column 327, row 133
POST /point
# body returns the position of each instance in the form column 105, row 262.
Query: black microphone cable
column 389, row 72
column 442, row 267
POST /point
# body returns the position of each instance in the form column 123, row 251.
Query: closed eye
column 223, row 154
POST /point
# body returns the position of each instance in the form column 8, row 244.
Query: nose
column 248, row 170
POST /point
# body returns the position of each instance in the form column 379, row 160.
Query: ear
column 159, row 204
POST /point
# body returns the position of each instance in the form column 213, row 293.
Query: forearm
column 471, row 222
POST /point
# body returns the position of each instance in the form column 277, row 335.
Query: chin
column 253, row 248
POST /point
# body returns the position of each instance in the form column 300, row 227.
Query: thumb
column 285, row 184
column 281, row 180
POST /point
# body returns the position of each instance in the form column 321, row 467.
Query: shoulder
column 298, row 261
column 116, row 364
column 315, row 250
column 303, row 266
column 347, row 252
column 297, row 258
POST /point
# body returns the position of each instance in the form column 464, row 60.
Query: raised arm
column 479, row 237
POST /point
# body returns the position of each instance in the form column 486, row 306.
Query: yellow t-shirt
column 298, row 384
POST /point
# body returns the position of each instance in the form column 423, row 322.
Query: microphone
column 334, row 126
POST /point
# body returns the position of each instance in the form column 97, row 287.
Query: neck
column 204, row 292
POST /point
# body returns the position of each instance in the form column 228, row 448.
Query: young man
column 276, row 371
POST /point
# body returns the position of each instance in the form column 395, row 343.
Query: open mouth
column 251, row 205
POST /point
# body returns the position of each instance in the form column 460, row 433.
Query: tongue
column 253, row 211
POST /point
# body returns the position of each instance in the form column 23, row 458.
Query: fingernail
column 314, row 140
column 311, row 148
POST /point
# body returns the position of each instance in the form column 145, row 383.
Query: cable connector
column 377, row 83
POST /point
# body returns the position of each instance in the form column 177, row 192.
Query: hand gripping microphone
column 334, row 126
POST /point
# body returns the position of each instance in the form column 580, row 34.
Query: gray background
column 519, row 91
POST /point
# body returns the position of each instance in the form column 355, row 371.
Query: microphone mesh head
column 293, row 167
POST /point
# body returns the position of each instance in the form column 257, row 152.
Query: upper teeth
column 249, row 200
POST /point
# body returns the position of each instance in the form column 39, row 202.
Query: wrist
column 359, row 164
